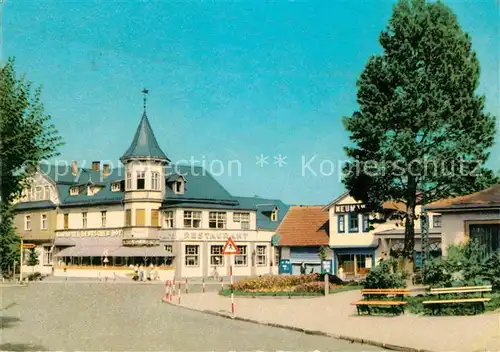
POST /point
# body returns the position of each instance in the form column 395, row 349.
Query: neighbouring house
column 358, row 244
column 100, row 220
column 301, row 234
column 474, row 216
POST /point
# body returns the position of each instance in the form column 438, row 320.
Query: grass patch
column 339, row 289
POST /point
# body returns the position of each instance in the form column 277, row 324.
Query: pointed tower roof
column 144, row 144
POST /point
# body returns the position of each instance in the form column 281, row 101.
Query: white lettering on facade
column 349, row 208
column 203, row 236
column 91, row 233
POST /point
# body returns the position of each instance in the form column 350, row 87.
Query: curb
column 387, row 346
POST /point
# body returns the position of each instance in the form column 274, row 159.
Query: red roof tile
column 486, row 197
column 304, row 226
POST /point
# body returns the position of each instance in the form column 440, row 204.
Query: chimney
column 74, row 168
column 105, row 170
column 96, row 165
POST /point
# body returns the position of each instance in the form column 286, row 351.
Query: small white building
column 102, row 220
column 358, row 244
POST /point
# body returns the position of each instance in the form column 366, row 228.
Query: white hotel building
column 100, row 221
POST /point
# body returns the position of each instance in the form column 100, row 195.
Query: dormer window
column 179, row 186
column 274, row 215
column 73, row 191
column 90, row 190
column 116, row 187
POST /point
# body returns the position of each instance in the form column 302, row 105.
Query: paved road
column 96, row 317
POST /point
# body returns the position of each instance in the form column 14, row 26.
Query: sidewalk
column 335, row 315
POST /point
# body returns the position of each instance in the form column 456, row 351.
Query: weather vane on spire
column 145, row 92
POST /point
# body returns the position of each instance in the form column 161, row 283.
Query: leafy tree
column 421, row 132
column 322, row 252
column 33, row 258
column 26, row 138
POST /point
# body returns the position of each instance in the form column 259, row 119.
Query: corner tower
column 144, row 163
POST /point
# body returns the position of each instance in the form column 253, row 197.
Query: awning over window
column 108, row 247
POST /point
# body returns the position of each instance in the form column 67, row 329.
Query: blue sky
column 228, row 80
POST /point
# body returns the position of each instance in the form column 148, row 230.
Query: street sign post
column 231, row 248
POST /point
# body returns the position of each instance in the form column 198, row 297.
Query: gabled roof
column 489, row 197
column 304, row 226
column 335, row 201
column 144, row 144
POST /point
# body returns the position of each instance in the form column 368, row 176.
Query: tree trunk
column 409, row 244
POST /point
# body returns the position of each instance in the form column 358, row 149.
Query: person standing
column 141, row 273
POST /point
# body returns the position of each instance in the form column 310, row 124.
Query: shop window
column 47, row 256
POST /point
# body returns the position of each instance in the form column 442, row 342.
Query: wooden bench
column 475, row 301
column 398, row 293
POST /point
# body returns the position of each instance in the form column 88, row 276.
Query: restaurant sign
column 203, row 236
column 349, row 208
column 91, row 233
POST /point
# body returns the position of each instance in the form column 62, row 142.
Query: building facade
column 358, row 243
column 301, row 236
column 103, row 220
column 474, row 216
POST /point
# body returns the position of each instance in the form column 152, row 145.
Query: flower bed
column 274, row 283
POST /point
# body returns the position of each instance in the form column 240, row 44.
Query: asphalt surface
column 131, row 317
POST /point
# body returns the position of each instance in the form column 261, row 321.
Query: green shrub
column 437, row 273
column 492, row 271
column 385, row 275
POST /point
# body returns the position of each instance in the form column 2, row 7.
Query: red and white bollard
column 232, row 294
column 179, row 295
column 165, row 298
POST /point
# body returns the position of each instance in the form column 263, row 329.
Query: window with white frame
column 243, row 219
column 274, row 215
column 217, row 220
column 129, row 180
column 46, row 193
column 436, row 221
column 43, row 222
column 192, row 256
column 192, row 219
column 216, row 256
column 39, row 193
column 115, row 187
column 73, row 191
column 242, row 258
column 103, row 218
column 261, row 255
column 47, row 255
column 155, row 180
column 27, row 222
column 169, row 219
column 84, row 220
column 141, row 180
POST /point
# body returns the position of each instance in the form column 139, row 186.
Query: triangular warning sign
column 230, row 247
